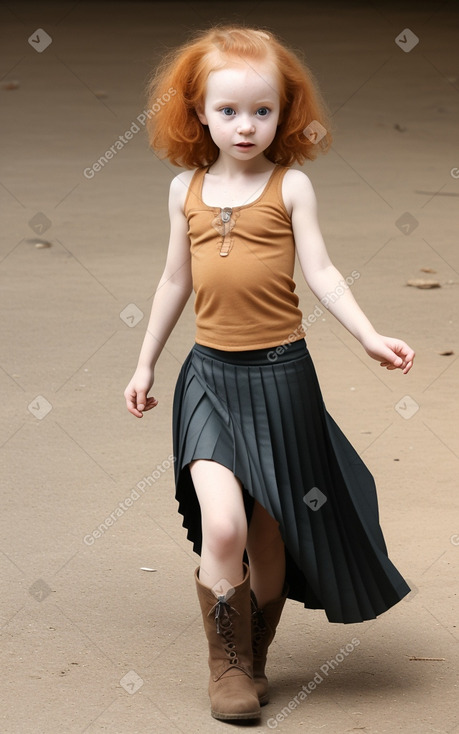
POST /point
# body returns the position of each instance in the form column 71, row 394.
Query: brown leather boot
column 227, row 624
column 264, row 624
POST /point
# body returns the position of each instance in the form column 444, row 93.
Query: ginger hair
column 178, row 87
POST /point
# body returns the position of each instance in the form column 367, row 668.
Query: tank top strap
column 193, row 198
column 273, row 190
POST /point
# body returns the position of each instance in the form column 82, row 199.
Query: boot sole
column 235, row 717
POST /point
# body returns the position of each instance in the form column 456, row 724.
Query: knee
column 224, row 536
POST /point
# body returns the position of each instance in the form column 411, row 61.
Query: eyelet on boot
column 228, row 630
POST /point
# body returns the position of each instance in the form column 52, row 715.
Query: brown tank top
column 242, row 261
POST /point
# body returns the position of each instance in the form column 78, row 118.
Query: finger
column 408, row 357
column 393, row 362
column 141, row 400
column 151, row 403
column 392, row 356
column 408, row 367
column 132, row 409
column 405, row 351
column 131, row 404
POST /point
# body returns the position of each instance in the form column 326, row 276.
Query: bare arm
column 172, row 293
column 324, row 279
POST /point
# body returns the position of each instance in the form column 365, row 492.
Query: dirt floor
column 91, row 641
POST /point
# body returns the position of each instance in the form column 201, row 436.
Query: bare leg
column 266, row 552
column 228, row 619
column 224, row 524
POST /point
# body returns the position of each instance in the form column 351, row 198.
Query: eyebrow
column 228, row 102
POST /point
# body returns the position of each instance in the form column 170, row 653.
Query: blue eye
column 263, row 111
column 227, row 111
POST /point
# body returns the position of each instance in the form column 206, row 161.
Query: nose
column 245, row 126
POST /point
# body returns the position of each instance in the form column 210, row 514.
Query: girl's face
column 241, row 109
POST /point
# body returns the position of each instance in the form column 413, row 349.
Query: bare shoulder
column 179, row 188
column 297, row 190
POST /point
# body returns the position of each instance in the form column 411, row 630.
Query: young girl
column 274, row 498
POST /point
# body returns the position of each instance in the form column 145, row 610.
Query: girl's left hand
column 391, row 353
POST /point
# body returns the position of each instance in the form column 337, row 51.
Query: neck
column 227, row 166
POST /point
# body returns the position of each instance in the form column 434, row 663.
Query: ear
column 201, row 116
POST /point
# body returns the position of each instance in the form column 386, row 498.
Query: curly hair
column 178, row 86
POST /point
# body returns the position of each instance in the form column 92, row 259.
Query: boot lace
column 225, row 628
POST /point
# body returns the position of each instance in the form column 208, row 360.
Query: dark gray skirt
column 261, row 414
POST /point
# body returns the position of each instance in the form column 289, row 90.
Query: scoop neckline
column 241, row 206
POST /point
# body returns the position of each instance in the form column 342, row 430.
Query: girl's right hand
column 137, row 391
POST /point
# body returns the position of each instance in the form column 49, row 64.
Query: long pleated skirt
column 261, row 414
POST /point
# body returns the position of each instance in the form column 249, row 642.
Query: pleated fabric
column 262, row 415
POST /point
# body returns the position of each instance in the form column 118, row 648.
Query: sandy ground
column 90, row 642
